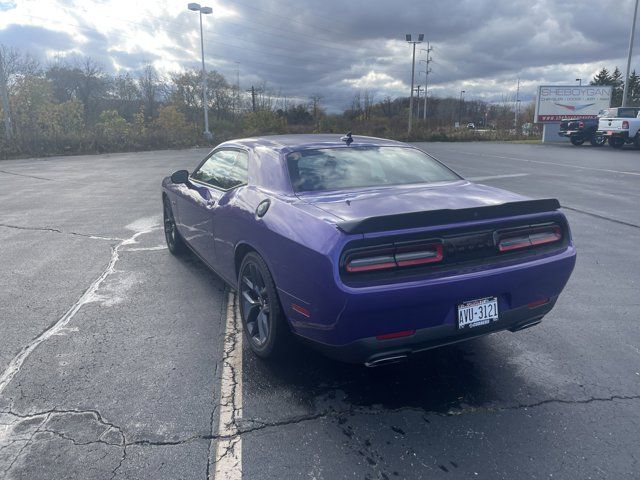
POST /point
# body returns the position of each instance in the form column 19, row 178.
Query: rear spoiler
column 446, row 216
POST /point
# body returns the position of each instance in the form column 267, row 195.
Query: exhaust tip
column 378, row 362
column 519, row 328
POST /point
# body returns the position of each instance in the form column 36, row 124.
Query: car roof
column 289, row 143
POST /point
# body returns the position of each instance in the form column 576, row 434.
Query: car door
column 222, row 171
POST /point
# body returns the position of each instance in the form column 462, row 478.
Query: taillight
column 394, row 257
column 408, row 256
column 529, row 237
column 625, row 125
column 374, row 260
column 580, row 124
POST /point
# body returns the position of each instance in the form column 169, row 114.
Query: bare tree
column 148, row 81
column 368, row 103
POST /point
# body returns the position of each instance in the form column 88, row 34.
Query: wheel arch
column 241, row 251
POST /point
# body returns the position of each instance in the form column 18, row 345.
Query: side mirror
column 180, row 177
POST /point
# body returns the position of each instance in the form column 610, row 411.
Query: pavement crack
column 27, row 176
column 114, row 472
column 601, row 217
column 62, row 232
column 16, row 363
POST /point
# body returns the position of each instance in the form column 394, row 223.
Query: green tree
column 173, row 126
column 634, row 89
column 618, row 86
column 263, row 122
column 603, row 77
column 112, row 130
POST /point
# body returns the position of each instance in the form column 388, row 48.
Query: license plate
column 476, row 313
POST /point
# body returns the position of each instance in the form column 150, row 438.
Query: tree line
column 75, row 106
column 616, row 80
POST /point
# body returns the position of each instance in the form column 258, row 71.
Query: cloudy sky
column 335, row 47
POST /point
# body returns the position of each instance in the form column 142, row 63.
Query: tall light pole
column 203, row 11
column 579, row 80
column 625, row 92
column 413, row 72
column 462, row 92
column 515, row 119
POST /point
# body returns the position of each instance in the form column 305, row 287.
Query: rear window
column 356, row 167
column 622, row 112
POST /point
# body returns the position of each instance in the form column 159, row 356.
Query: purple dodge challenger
column 369, row 249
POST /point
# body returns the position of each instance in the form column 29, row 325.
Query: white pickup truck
column 624, row 128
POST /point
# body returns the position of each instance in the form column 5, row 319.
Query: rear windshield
column 621, row 112
column 356, row 167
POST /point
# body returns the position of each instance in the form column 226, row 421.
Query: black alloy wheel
column 597, row 140
column 262, row 319
column 577, row 140
column 171, row 235
column 616, row 142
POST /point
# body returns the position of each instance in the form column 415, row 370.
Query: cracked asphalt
column 119, row 361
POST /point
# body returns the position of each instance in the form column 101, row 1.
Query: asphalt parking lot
column 118, row 360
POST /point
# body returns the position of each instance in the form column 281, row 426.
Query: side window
column 224, row 169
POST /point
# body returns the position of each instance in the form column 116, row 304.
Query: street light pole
column 625, row 92
column 413, row 72
column 203, row 10
column 515, row 120
column 579, row 80
column 462, row 92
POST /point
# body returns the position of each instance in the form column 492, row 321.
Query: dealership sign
column 555, row 102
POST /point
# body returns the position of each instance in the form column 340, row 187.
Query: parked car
column 620, row 126
column 369, row 249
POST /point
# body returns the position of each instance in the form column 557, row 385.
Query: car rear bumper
column 570, row 133
column 348, row 322
column 373, row 352
column 614, row 133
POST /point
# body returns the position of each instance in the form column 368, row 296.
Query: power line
column 296, row 38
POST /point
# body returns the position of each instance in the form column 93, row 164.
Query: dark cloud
column 34, row 39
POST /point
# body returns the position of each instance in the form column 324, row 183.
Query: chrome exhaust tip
column 378, row 362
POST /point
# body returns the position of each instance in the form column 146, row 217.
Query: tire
column 175, row 243
column 264, row 324
column 577, row 140
column 597, row 140
column 616, row 142
column 636, row 140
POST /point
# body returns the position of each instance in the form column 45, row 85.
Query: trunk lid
column 403, row 199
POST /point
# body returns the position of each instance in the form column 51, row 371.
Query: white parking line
column 228, row 460
column 496, row 177
column 621, row 172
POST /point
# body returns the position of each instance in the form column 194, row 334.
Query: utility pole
column 427, row 71
column 203, row 10
column 253, row 98
column 4, row 97
column 579, row 80
column 515, row 121
column 237, row 99
column 417, row 89
column 413, row 72
column 625, row 92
